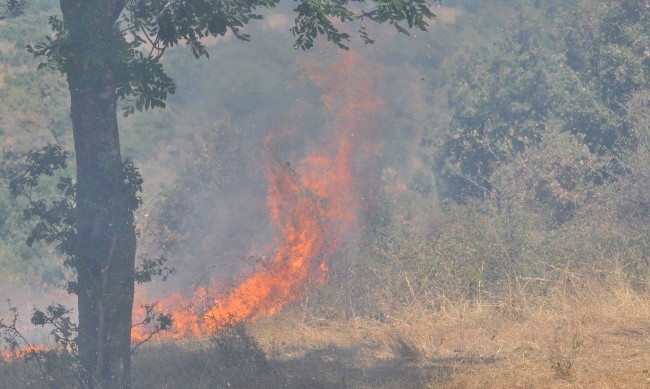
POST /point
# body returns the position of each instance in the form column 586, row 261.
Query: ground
column 592, row 337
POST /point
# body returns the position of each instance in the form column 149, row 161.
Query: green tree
column 12, row 7
column 608, row 45
column 504, row 95
column 549, row 65
column 110, row 52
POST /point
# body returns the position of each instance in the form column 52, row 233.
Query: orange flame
column 23, row 352
column 311, row 205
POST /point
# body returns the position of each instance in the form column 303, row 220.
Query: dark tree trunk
column 106, row 241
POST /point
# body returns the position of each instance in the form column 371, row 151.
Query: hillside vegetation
column 505, row 236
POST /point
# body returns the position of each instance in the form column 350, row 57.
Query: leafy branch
column 63, row 331
column 55, row 362
column 13, row 7
column 12, row 337
column 149, row 268
column 161, row 322
column 147, row 28
column 55, row 221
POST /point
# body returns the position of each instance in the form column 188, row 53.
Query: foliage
column 101, row 49
column 54, row 221
column 546, row 222
column 149, row 268
column 13, row 7
column 554, row 178
column 54, row 218
column 540, row 75
column 58, row 317
column 484, row 251
column 156, row 25
column 549, row 134
column 607, row 45
column 57, row 364
column 232, row 358
column 34, row 111
column 313, row 18
column 629, row 193
column 155, row 322
column 235, row 347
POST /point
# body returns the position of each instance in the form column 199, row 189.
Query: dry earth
column 592, row 337
column 595, row 337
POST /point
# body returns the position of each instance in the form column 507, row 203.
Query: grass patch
column 595, row 336
column 592, row 336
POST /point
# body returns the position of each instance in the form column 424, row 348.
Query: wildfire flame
column 312, row 204
column 22, row 352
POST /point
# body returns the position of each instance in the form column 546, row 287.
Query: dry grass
column 595, row 336
column 599, row 338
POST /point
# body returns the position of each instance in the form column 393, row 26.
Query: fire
column 312, row 204
column 23, row 352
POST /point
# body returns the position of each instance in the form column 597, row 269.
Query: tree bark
column 106, row 242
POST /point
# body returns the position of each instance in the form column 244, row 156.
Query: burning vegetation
column 312, row 204
column 482, row 223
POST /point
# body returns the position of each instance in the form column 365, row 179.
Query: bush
column 553, row 179
column 232, row 358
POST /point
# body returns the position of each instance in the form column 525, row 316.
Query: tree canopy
column 145, row 29
column 12, row 7
column 110, row 51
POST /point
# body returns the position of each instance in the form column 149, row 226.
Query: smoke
column 313, row 202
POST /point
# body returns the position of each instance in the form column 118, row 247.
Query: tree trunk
column 105, row 243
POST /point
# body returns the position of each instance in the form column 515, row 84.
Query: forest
column 461, row 207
